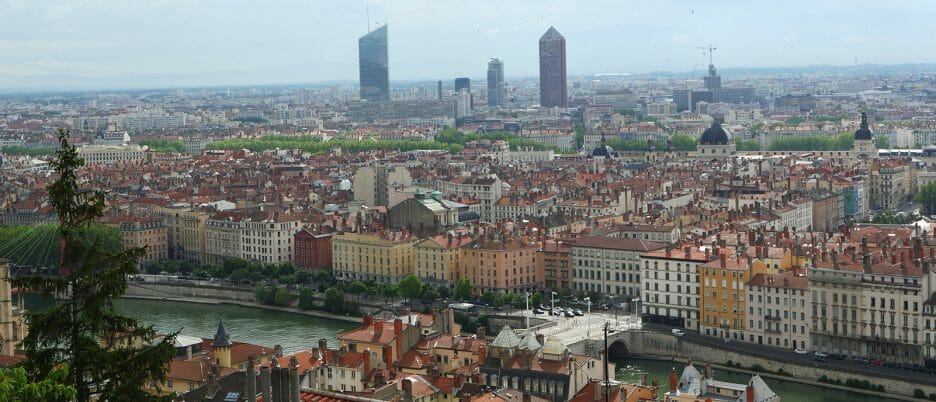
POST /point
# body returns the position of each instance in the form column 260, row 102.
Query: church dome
column 604, row 151
column 715, row 135
column 864, row 133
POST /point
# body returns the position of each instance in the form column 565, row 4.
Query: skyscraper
column 465, row 83
column 552, row 67
column 496, row 88
column 373, row 66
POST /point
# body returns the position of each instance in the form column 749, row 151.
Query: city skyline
column 75, row 44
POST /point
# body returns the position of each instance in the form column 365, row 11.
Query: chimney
column 398, row 336
column 368, row 319
column 482, row 353
column 724, row 260
column 673, row 379
column 388, row 356
column 408, row 390
column 265, row 383
column 322, row 345
column 688, row 251
column 251, row 378
column 379, row 379
column 294, row 393
column 278, row 351
column 749, row 393
column 367, row 364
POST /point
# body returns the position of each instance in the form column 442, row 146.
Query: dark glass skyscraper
column 373, row 66
column 496, row 88
column 552, row 68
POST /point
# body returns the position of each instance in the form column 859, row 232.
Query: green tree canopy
column 16, row 387
column 926, row 196
column 463, row 289
column 841, row 142
column 536, row 300
column 410, row 287
column 165, row 146
column 84, row 330
column 334, row 300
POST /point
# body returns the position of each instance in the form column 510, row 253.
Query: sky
column 181, row 43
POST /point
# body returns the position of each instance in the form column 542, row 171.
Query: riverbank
column 291, row 310
column 804, row 381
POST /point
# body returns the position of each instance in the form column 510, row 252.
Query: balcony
column 771, row 318
column 772, row 331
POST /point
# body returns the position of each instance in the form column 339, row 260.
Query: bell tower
column 12, row 318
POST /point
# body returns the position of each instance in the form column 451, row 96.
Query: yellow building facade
column 370, row 256
column 722, row 285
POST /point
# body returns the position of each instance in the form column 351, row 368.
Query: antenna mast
column 367, row 12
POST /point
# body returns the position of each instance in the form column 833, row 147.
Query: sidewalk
column 292, row 310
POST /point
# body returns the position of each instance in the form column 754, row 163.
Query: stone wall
column 669, row 347
column 190, row 290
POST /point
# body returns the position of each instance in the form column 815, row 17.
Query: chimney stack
column 265, row 383
column 251, row 378
column 398, row 335
column 673, row 379
column 749, row 393
column 407, row 389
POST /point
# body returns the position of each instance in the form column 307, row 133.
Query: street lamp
column 553, row 302
column 588, row 317
column 526, row 314
column 636, row 302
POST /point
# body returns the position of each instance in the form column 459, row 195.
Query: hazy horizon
column 86, row 44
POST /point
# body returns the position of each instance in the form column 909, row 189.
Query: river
column 297, row 332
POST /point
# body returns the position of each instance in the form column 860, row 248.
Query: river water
column 298, row 332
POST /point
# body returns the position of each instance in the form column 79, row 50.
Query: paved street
column 844, row 366
column 575, row 329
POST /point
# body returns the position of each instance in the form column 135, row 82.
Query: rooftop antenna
column 367, row 12
column 711, row 50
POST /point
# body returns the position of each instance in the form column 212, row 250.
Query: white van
column 678, row 332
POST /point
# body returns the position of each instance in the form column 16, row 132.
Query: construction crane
column 711, row 50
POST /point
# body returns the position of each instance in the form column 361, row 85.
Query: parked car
column 837, row 356
column 821, row 359
column 569, row 314
column 800, row 351
column 820, row 354
column 906, row 366
column 538, row 311
column 862, row 360
column 578, row 312
column 678, row 332
column 877, row 362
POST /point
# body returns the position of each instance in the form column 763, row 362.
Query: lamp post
column 636, row 302
column 526, row 314
column 552, row 306
column 588, row 317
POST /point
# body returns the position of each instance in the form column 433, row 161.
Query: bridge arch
column 618, row 349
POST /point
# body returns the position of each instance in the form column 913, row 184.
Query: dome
column 864, row 133
column 604, row 151
column 715, row 135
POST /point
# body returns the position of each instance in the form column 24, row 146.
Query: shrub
column 730, row 363
column 932, row 397
column 919, row 393
column 758, row 368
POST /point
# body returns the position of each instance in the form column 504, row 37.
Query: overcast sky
column 168, row 43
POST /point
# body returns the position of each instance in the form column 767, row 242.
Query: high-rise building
column 496, row 87
column 373, row 66
column 552, row 68
column 465, row 83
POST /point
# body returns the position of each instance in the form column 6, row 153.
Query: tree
column 492, row 298
column 410, row 287
column 15, row 387
column 356, row 288
column 927, row 198
column 536, row 300
column 682, row 142
column 283, row 297
column 444, row 291
column 389, row 292
column 747, row 145
column 430, row 294
column 463, row 289
column 334, row 300
column 306, row 299
column 882, row 142
column 84, row 330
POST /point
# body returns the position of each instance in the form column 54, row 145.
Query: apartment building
column 870, row 305
column 502, row 263
column 779, row 310
column 255, row 235
column 312, row 251
column 487, row 190
column 103, row 154
column 438, row 258
column 723, row 292
column 671, row 286
column 138, row 231
column 384, row 257
column 554, row 260
column 609, row 265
